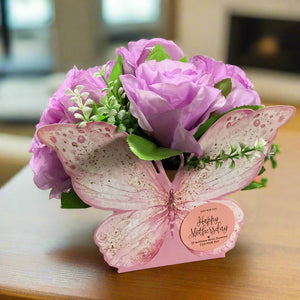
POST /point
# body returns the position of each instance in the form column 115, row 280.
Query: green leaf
column 233, row 149
column 203, row 127
column 225, row 86
column 71, row 200
column 121, row 127
column 148, row 150
column 183, row 59
column 277, row 150
column 256, row 185
column 253, row 107
column 271, row 155
column 262, row 170
column 117, row 70
column 242, row 146
column 202, row 164
column 273, row 162
column 95, row 108
column 114, row 75
column 158, row 53
column 264, row 181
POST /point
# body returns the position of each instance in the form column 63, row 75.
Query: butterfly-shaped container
column 149, row 211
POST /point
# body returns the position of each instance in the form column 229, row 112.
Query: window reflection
column 121, row 12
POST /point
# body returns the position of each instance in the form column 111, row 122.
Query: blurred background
column 42, row 39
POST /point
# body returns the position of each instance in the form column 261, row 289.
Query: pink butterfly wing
column 240, row 126
column 198, row 186
column 131, row 238
column 107, row 175
column 104, row 172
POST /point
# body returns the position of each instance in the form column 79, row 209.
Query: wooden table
column 48, row 253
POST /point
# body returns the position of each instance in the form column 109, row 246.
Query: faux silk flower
column 171, row 99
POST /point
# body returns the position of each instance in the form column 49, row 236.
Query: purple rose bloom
column 171, row 99
column 47, row 168
column 138, row 52
column 242, row 92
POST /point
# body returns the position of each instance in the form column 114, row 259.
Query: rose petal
column 169, row 132
column 142, row 120
column 240, row 97
column 48, row 171
column 147, row 101
column 185, row 141
column 198, row 111
column 139, row 51
column 178, row 95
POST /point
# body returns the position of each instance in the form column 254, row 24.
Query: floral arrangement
column 151, row 110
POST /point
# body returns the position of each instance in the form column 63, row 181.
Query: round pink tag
column 207, row 227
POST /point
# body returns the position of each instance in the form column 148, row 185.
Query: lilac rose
column 171, row 99
column 139, row 51
column 242, row 92
column 47, row 168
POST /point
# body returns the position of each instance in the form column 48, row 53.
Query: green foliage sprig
column 236, row 152
column 271, row 155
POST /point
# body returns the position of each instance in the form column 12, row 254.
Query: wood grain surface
column 48, row 253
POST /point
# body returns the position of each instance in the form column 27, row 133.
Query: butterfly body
column 171, row 208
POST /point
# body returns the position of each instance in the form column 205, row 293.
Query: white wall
column 203, row 28
column 77, row 34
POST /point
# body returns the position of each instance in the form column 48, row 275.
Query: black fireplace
column 265, row 43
